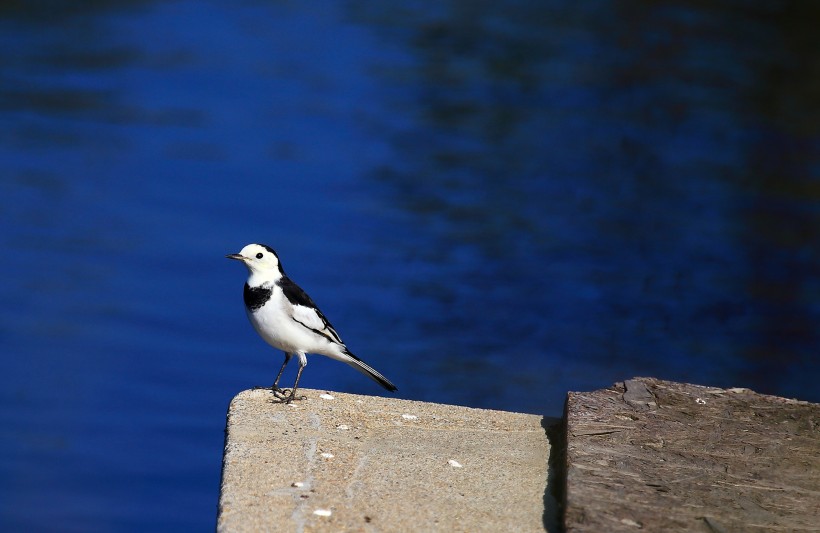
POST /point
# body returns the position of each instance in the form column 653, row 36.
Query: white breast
column 275, row 323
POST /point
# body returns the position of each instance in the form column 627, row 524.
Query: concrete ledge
column 343, row 462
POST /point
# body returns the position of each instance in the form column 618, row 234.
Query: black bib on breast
column 255, row 297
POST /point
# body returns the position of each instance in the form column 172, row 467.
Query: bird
column 289, row 320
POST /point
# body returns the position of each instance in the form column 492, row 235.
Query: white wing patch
column 313, row 319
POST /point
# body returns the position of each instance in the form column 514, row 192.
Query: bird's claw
column 287, row 395
column 280, row 393
column 274, row 389
column 283, row 395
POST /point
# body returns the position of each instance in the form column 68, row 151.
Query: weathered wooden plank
column 654, row 455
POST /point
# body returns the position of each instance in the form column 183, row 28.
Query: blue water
column 493, row 202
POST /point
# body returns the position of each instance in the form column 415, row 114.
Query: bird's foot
column 280, row 393
column 274, row 389
column 283, row 395
column 287, row 395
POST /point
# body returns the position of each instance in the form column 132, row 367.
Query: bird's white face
column 259, row 259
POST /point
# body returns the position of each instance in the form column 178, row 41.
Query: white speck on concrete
column 409, row 417
column 326, row 396
column 323, row 512
column 342, row 426
column 327, row 455
column 454, row 463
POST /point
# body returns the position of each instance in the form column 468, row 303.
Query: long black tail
column 370, row 372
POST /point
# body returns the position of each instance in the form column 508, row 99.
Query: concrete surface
column 343, row 462
column 652, row 455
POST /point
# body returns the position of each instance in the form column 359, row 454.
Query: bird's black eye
column 259, row 255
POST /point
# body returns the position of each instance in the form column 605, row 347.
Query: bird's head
column 260, row 260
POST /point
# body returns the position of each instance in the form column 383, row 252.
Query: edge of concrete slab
column 340, row 461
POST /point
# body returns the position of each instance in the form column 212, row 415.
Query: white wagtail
column 287, row 319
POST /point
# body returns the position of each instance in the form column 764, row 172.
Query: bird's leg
column 275, row 388
column 281, row 371
column 292, row 395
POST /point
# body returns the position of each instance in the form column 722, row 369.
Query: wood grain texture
column 652, row 455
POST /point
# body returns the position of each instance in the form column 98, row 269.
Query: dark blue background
column 494, row 203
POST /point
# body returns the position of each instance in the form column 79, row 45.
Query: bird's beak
column 238, row 257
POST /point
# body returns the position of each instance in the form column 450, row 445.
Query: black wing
column 297, row 296
column 294, row 293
